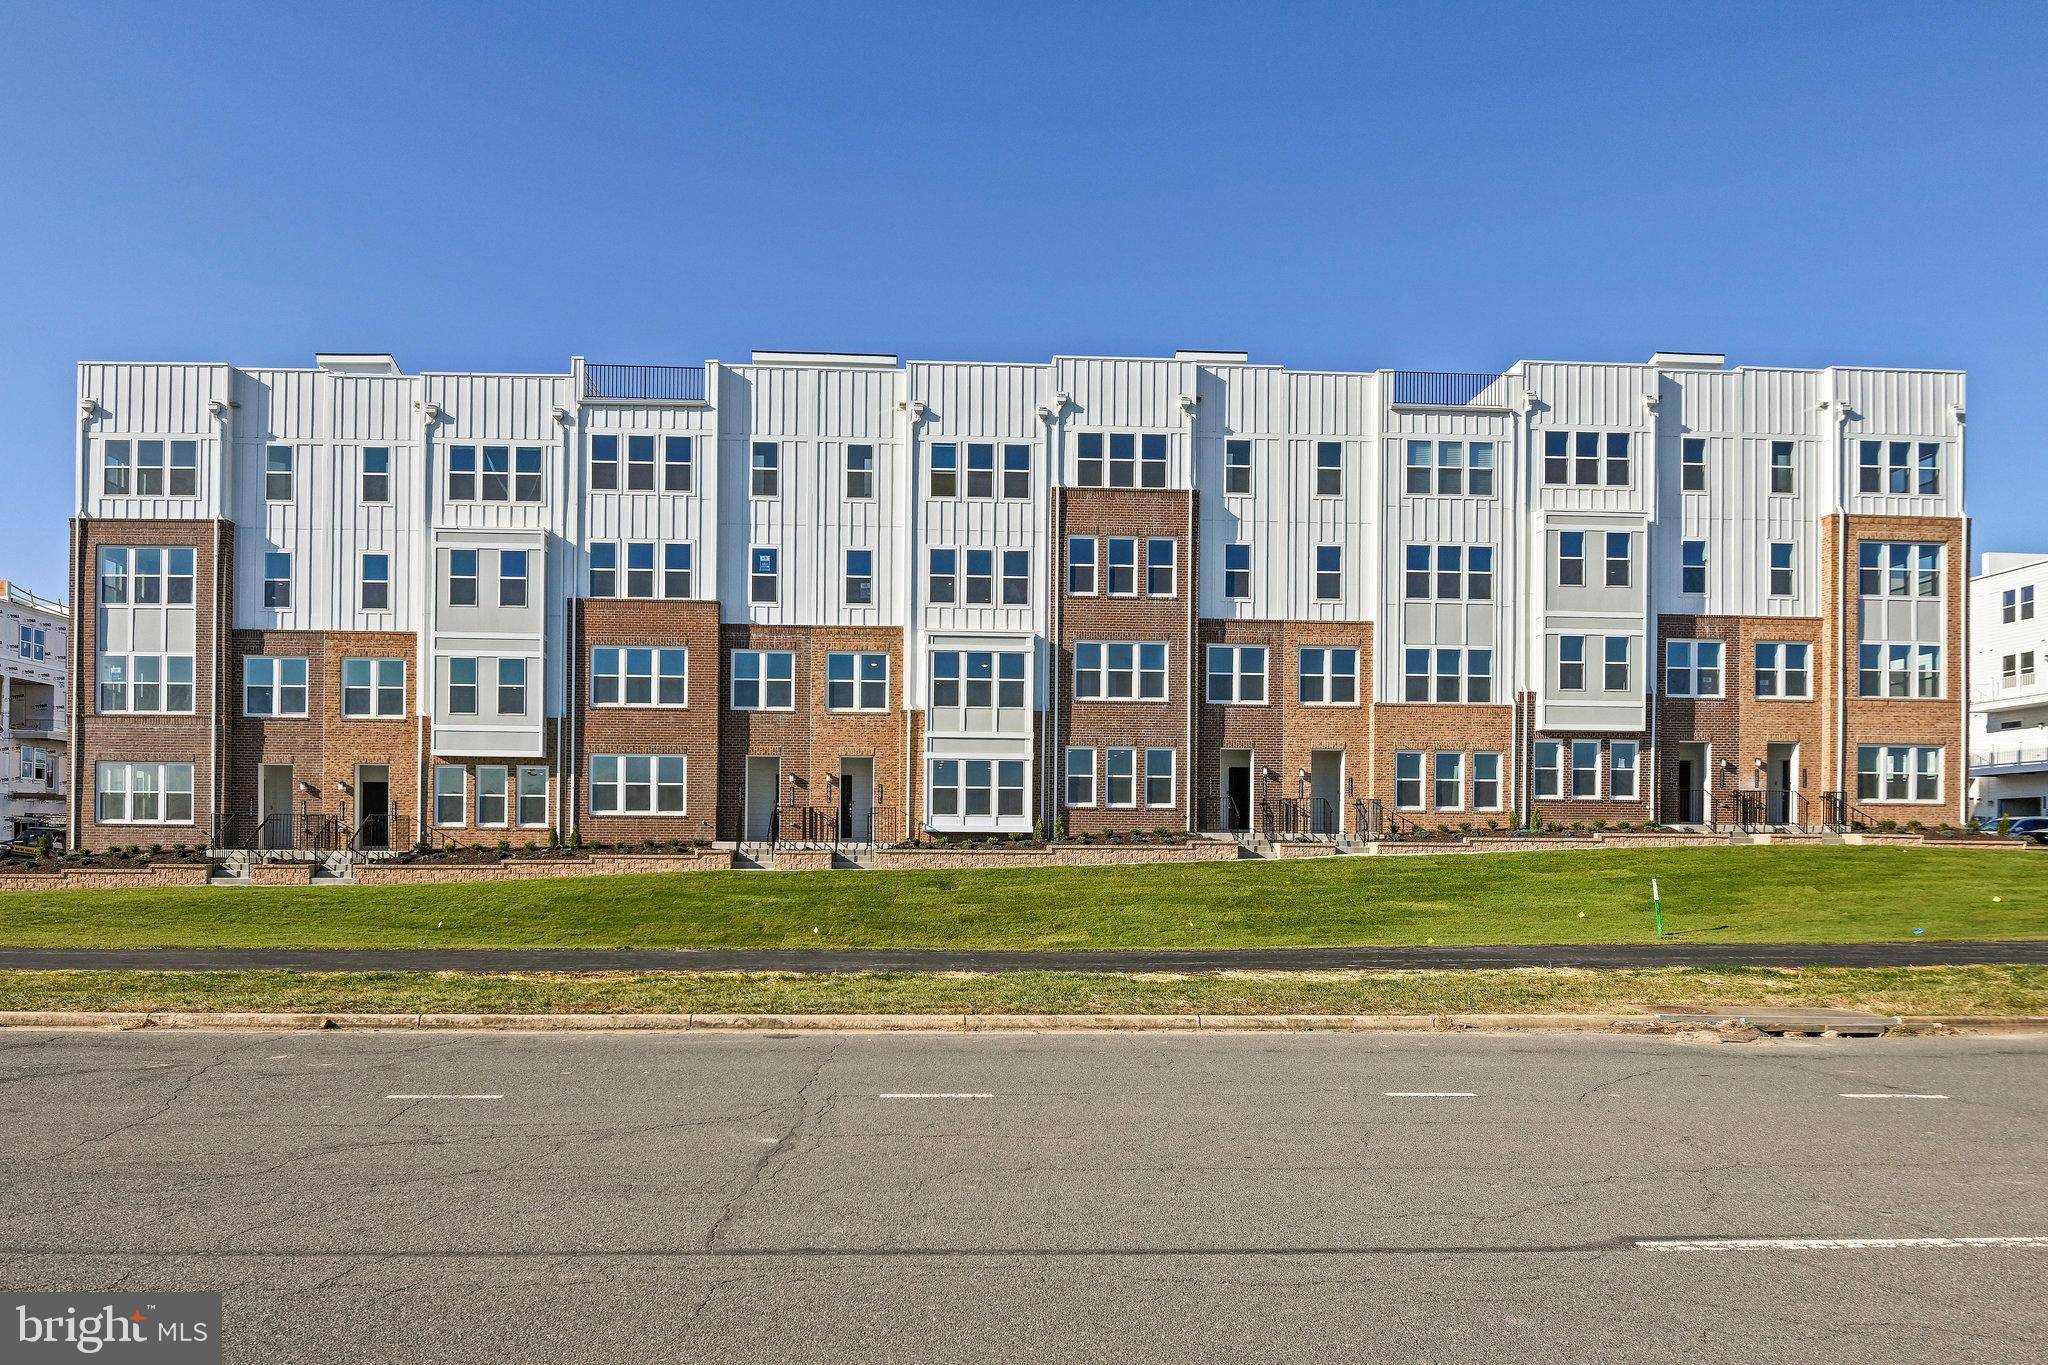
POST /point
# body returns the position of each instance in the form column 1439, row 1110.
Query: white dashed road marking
column 937, row 1095
column 1837, row 1243
column 1887, row 1095
column 1430, row 1094
column 444, row 1097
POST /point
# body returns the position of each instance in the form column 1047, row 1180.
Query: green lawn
column 1722, row 895
column 1904, row 990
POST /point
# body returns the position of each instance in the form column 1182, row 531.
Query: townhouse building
column 34, row 725
column 842, row 596
column 2009, row 687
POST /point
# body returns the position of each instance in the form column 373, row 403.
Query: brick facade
column 1139, row 725
column 691, row 730
column 1739, row 728
column 1429, row 728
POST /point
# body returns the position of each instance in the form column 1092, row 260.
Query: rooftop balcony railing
column 644, row 383
column 2016, row 756
column 1449, row 389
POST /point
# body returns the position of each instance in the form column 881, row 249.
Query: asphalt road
column 1905, row 953
column 652, row 1198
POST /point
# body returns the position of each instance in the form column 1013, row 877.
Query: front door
column 373, row 806
column 274, row 782
column 1325, row 789
column 857, row 800
column 1688, row 784
column 764, row 779
column 1781, row 767
column 1237, row 789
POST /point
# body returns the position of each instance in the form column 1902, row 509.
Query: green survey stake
column 1657, row 904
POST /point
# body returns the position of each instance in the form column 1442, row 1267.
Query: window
column 1449, row 784
column 981, row 577
column 374, row 587
column 1549, row 770
column 1571, row 558
column 1585, row 769
column 604, row 463
column 1236, row 674
column 1898, row 772
column 1119, row 671
column 1450, row 466
column 676, row 565
column 1152, row 461
column 2019, row 603
column 860, row 577
column 511, row 687
column 462, row 687
column 1016, row 470
column 1329, row 469
column 856, row 682
column 1571, row 663
column 462, row 578
column 160, row 574
column 1479, row 573
column 1123, row 451
column 114, row 467
column 1080, row 777
column 1408, row 780
column 492, row 784
column 973, row 787
column 1237, row 571
column 1478, row 675
column 764, row 581
column 1326, row 676
column 277, row 579
column 149, row 683
column 1781, row 467
column 1450, row 572
column 1692, row 668
column 1617, row 558
column 1897, row 569
column 678, row 464
column 33, row 642
column 533, row 798
column 1782, row 669
column 992, row 679
column 1420, row 460
column 1159, row 566
column 372, row 688
column 1897, row 467
column 1123, row 566
column 149, row 467
column 462, row 473
column 1781, row 569
column 1692, row 567
column 942, row 580
column 1119, row 777
column 766, row 470
column 1621, row 770
column 981, row 470
column 763, row 680
column 143, row 793
column 945, row 470
column 640, row 568
column 277, row 473
column 511, row 578
column 604, row 569
column 1459, row 675
column 451, row 795
column 1617, row 671
column 37, row 764
column 1088, row 459
column 273, row 686
column 1010, row 680
column 1486, row 781
column 1415, row 675
column 1081, row 566
column 526, row 473
column 639, row 675
column 1017, row 577
column 1692, row 465
column 1237, row 466
column 638, row 784
column 1329, row 573
column 1159, row 777
column 1481, row 481
column 1574, row 457
column 1415, row 579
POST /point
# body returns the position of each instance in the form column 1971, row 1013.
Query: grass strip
column 2002, row 990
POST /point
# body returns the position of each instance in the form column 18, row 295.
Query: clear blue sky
column 1427, row 186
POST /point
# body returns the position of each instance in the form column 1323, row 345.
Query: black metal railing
column 645, row 383
column 804, row 827
column 1290, row 817
column 392, row 834
column 1441, row 388
column 303, row 832
column 1839, row 813
column 1368, row 819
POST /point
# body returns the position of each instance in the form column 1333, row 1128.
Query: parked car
column 2033, row 827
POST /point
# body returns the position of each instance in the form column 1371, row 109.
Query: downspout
column 74, row 759
column 1960, row 575
column 572, row 615
column 424, row 593
column 223, row 612
column 1190, row 587
column 913, row 627
column 1842, row 571
column 1055, row 418
column 1527, row 593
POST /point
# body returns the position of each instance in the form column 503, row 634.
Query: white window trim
column 1539, row 771
column 1137, row 544
column 654, row 679
column 163, row 792
column 1237, row 674
column 276, row 689
column 1145, row 777
column 1912, row 752
column 1095, row 584
column 732, row 692
column 128, row 684
column 1067, row 775
column 505, row 794
column 1327, row 675
column 1571, row 769
column 373, row 713
column 1138, row 671
column 436, row 794
column 1137, row 772
column 1499, row 779
column 654, row 786
column 1422, row 770
column 1780, row 671
column 546, row 797
column 1634, row 770
column 857, row 655
column 1693, row 670
column 1434, row 779
column 1172, row 566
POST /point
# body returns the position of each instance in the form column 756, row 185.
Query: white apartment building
column 2009, row 686
column 34, row 727
column 1188, row 592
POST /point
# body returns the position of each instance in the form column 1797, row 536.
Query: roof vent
column 356, row 362
column 833, row 360
column 1690, row 360
column 1215, row 357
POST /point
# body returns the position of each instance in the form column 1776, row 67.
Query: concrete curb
column 934, row 1023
